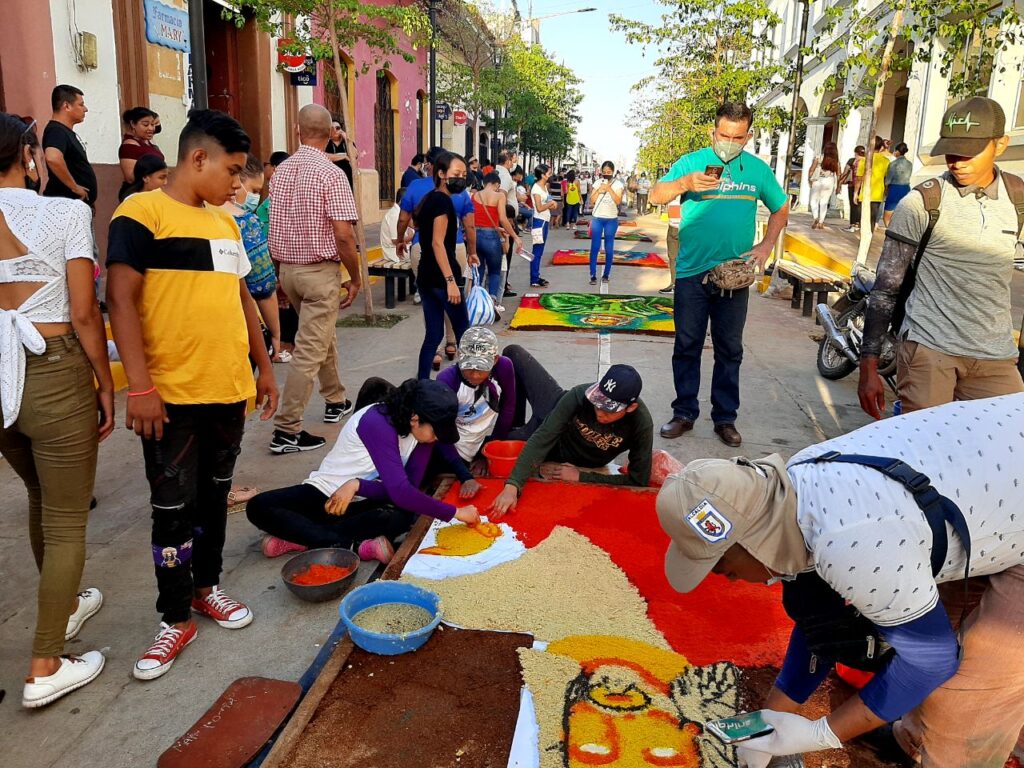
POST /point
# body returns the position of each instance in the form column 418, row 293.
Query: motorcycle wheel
column 833, row 364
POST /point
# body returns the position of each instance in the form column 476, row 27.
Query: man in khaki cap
column 861, row 540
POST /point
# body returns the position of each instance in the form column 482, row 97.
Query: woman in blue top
column 261, row 280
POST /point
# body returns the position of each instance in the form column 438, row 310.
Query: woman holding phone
column 604, row 200
column 543, row 205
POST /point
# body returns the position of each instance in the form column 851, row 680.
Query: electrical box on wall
column 87, row 50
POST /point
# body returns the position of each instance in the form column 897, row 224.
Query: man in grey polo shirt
column 957, row 335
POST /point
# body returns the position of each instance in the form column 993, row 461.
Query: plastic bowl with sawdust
column 319, row 593
column 412, row 612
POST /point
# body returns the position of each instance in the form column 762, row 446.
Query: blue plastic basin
column 378, row 593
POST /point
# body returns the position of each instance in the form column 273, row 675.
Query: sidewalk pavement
column 119, row 722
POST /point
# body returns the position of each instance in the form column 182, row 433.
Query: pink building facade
column 389, row 100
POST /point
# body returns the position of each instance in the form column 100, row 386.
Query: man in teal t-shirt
column 718, row 217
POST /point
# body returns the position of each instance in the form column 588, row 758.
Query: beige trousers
column 974, row 719
column 314, row 290
column 926, row 377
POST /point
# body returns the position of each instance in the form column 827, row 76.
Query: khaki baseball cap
column 715, row 503
column 968, row 127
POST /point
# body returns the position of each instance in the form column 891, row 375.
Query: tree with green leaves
column 965, row 36
column 328, row 30
column 706, row 52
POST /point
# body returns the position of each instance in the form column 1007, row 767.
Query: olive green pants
column 52, row 446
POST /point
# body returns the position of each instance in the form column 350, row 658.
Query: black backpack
column 931, row 191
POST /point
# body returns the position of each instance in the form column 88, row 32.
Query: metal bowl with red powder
column 318, row 575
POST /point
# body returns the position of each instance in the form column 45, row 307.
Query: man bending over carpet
column 585, row 427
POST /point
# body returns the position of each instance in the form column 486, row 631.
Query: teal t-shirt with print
column 718, row 225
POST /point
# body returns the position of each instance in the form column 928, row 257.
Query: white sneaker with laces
column 73, row 673
column 89, row 603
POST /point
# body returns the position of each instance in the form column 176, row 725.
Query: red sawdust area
column 719, row 621
column 454, row 702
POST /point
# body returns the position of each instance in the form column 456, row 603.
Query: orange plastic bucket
column 502, row 455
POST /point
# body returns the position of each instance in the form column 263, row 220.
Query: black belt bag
column 836, row 632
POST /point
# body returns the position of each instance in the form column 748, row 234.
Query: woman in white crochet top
column 52, row 345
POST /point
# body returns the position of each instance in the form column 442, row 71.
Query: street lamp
column 534, row 28
column 433, row 72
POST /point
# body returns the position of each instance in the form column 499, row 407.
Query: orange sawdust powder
column 319, row 574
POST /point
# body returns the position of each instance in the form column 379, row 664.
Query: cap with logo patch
column 715, row 503
column 968, row 127
column 478, row 349
column 618, row 389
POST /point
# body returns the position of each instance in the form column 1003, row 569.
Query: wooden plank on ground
column 307, row 708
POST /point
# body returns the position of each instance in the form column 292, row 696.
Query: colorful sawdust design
column 704, row 624
column 621, row 259
column 596, row 312
column 463, row 540
column 563, row 586
column 636, row 236
column 611, row 701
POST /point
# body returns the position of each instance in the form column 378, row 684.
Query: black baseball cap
column 618, row 389
column 437, row 405
column 968, row 127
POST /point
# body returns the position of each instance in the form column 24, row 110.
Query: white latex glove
column 793, row 735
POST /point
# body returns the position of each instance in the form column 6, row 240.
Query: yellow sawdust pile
column 564, row 586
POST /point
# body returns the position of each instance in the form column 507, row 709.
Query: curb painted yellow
column 807, row 253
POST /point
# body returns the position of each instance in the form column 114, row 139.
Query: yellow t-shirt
column 879, row 167
column 193, row 326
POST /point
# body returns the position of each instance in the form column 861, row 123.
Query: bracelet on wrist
column 450, row 279
column 149, row 391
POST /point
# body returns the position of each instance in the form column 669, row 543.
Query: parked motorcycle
column 839, row 350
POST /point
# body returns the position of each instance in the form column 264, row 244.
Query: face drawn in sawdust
column 463, row 540
column 634, row 705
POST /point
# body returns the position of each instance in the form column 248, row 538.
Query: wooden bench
column 811, row 284
column 392, row 273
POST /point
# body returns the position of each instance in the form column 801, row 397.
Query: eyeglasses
column 31, row 127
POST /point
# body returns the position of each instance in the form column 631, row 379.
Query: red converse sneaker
column 169, row 642
column 225, row 610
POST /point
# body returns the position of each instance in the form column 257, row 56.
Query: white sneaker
column 416, row 298
column 74, row 672
column 89, row 603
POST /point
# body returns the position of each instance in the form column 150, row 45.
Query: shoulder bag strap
column 931, row 192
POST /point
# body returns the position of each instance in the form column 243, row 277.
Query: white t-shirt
column 389, row 233
column 476, row 420
column 643, row 185
column 349, row 458
column 867, row 536
column 508, row 186
column 604, row 204
column 540, row 192
column 584, row 187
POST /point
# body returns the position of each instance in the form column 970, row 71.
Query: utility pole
column 197, row 55
column 433, row 73
column 798, row 80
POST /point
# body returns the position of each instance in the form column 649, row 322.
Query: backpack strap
column 931, row 193
column 1015, row 189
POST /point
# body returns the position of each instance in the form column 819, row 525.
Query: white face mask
column 727, row 151
column 252, row 201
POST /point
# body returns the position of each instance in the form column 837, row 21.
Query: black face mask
column 33, row 184
column 456, row 184
column 606, row 178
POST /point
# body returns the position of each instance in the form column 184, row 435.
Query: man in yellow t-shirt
column 185, row 327
column 879, row 167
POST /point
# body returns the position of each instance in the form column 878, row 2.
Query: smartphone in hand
column 731, row 730
column 714, row 170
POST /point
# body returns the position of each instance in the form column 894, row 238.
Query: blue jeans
column 572, row 213
column 490, row 249
column 602, row 229
column 696, row 304
column 527, row 213
column 538, row 251
column 435, row 305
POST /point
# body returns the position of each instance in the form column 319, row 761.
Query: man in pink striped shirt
column 311, row 230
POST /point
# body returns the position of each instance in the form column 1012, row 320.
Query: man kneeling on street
column 587, row 427
column 873, row 552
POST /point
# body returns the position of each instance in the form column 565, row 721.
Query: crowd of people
column 257, row 249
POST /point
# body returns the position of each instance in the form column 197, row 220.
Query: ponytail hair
column 16, row 133
column 398, row 405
